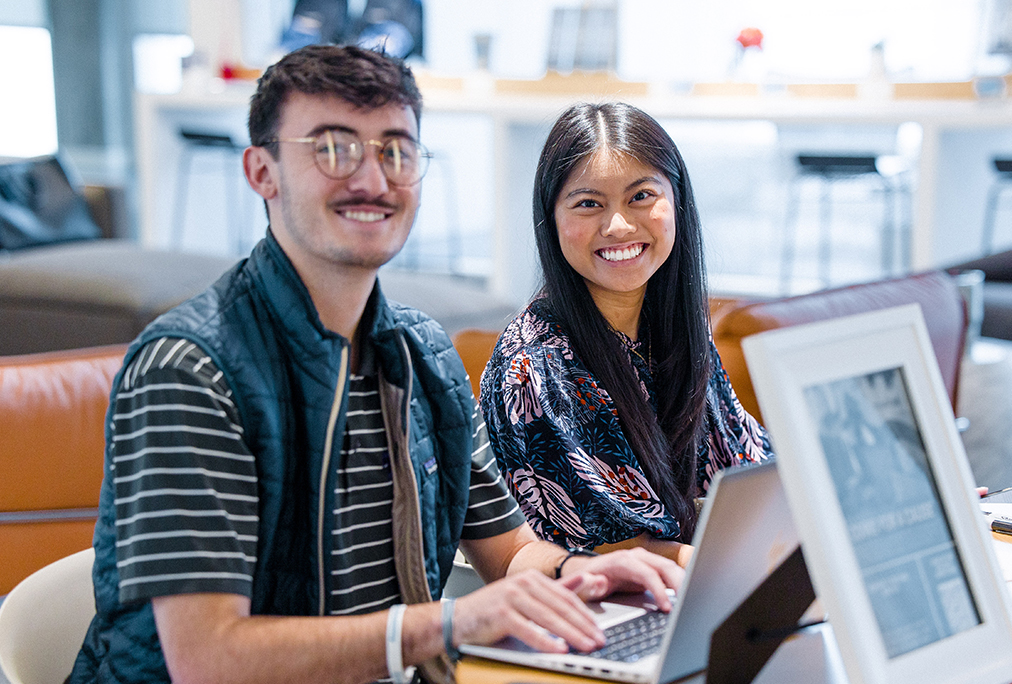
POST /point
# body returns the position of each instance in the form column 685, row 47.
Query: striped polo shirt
column 186, row 488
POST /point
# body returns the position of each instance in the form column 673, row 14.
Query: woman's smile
column 621, row 253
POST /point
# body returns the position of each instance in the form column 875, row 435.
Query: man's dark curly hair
column 362, row 78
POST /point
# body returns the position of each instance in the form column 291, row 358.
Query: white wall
column 23, row 13
column 686, row 40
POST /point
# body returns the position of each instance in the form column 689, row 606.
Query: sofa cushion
column 93, row 293
column 936, row 292
column 52, row 445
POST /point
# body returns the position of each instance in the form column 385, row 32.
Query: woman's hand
column 633, row 569
column 545, row 614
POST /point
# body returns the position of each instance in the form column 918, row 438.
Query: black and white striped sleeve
column 491, row 509
column 184, row 479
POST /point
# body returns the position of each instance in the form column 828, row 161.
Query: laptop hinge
column 743, row 643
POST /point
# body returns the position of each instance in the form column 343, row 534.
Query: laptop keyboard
column 631, row 640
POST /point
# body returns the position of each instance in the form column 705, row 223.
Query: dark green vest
column 287, row 372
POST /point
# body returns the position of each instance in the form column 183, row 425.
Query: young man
column 291, row 458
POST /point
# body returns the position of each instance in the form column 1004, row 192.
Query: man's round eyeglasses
column 339, row 154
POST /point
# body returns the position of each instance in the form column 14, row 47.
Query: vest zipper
column 328, row 447
column 407, row 394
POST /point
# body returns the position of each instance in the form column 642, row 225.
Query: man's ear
column 261, row 171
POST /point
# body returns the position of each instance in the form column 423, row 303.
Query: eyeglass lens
column 339, row 155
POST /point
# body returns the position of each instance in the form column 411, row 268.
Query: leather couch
column 941, row 303
column 53, row 405
column 52, row 413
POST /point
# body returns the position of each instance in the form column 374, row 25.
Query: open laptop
column 745, row 531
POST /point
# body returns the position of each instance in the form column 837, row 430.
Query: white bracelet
column 395, row 662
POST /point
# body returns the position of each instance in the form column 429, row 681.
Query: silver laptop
column 745, row 531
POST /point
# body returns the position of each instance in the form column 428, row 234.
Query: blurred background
column 150, row 99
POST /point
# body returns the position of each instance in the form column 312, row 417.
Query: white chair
column 44, row 619
column 463, row 578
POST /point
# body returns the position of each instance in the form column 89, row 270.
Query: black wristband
column 572, row 552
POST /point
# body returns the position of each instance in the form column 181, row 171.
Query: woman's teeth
column 622, row 254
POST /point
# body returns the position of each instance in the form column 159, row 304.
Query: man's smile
column 364, row 210
column 362, row 215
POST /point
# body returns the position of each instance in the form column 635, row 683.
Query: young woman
column 606, row 402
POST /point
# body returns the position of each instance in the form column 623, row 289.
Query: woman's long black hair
column 675, row 309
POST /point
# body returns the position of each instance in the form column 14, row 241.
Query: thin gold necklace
column 631, row 342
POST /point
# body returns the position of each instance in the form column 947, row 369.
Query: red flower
column 750, row 37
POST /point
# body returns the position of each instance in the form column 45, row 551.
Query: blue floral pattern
column 560, row 445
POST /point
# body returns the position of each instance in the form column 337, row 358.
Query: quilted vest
column 287, row 372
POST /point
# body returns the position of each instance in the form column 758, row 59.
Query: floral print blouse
column 560, row 446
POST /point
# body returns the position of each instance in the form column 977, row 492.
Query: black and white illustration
column 904, row 546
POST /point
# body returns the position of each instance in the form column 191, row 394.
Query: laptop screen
column 910, row 565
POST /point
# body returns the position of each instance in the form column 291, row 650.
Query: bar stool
column 830, row 170
column 1002, row 182
column 230, row 152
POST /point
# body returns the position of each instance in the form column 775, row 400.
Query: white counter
column 951, row 180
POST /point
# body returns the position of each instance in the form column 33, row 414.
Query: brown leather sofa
column 940, row 300
column 52, row 413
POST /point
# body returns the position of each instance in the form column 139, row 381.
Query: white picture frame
column 836, row 389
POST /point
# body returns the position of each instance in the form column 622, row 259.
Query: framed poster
column 883, row 497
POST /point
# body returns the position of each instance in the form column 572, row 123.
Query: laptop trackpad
column 621, row 607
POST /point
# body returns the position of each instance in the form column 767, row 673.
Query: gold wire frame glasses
column 339, row 154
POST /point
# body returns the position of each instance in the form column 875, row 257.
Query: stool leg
column 990, row 213
column 825, row 227
column 905, row 210
column 182, row 190
column 790, row 234
column 888, row 229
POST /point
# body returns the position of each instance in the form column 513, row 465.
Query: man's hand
column 532, row 608
column 529, row 602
